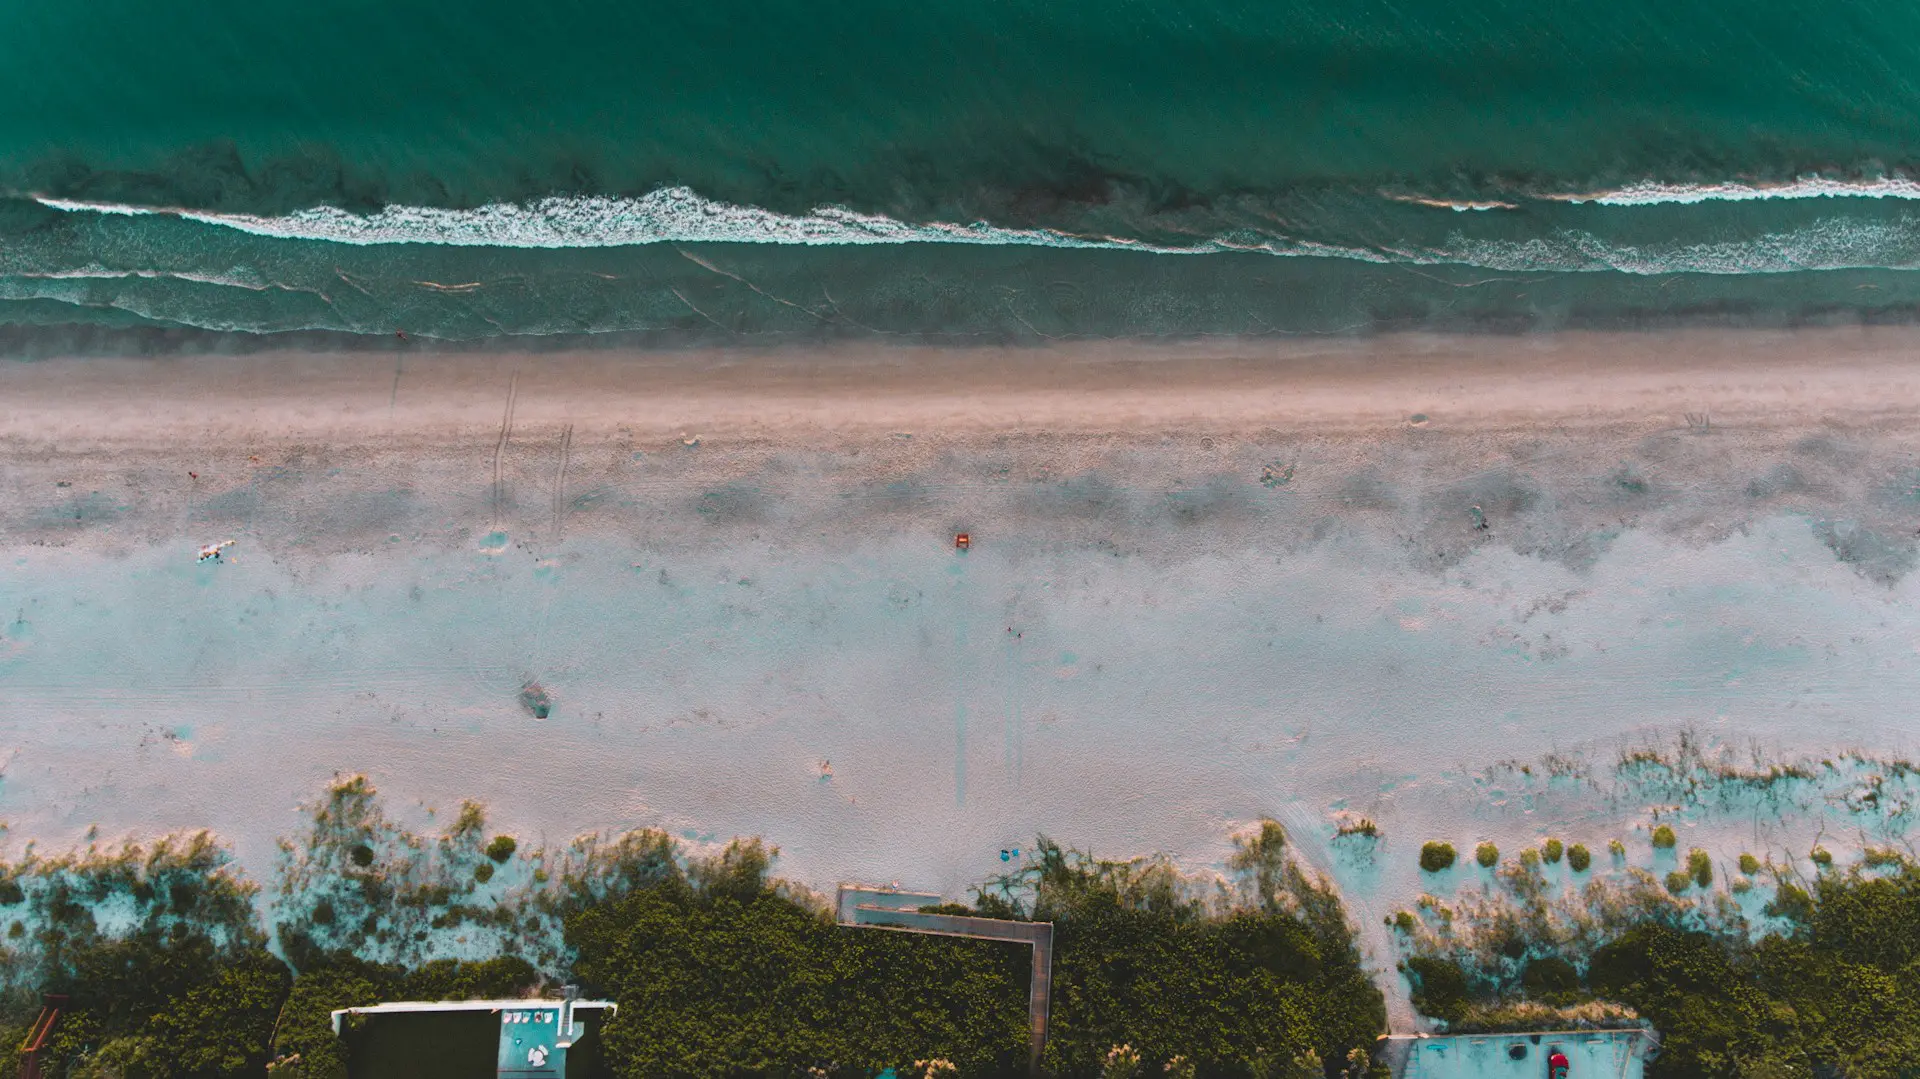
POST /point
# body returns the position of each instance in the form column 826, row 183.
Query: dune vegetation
column 1819, row 981
column 177, row 966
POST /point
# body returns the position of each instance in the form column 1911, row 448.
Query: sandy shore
column 1209, row 583
column 1232, row 387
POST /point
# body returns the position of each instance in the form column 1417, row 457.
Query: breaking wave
column 678, row 215
column 1806, row 187
column 667, row 215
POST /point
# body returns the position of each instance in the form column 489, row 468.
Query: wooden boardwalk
column 867, row 906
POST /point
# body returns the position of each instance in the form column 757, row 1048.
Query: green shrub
column 1362, row 827
column 1439, row 988
column 1820, row 857
column 1530, row 858
column 1436, row 856
column 1552, row 851
column 1791, row 902
column 1741, row 886
column 361, row 854
column 1549, row 976
column 1579, row 858
column 1664, row 838
column 1749, row 864
column 1829, row 997
column 1404, row 921
column 1829, row 994
column 1617, row 849
column 1700, row 867
column 1487, row 855
column 1881, row 857
column 732, row 981
column 502, row 848
column 456, row 979
column 483, row 872
column 1123, row 1062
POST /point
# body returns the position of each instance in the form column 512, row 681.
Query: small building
column 475, row 1039
column 1591, row 1054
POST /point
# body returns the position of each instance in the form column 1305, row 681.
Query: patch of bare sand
column 1735, row 379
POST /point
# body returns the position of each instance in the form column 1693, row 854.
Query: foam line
column 1806, row 187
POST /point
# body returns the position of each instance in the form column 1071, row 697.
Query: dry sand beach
column 1207, row 582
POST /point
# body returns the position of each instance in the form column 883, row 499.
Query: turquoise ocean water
column 974, row 169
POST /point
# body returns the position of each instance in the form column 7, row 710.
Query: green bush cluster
column 1142, row 961
column 721, row 970
column 1487, row 855
column 719, row 978
column 1700, row 867
column 1579, row 858
column 1436, row 856
column 188, row 988
column 1663, row 837
column 304, row 1042
column 1552, row 850
column 717, row 973
column 1828, row 992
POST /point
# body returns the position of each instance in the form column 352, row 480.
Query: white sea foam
column 679, row 215
column 668, row 215
column 1831, row 244
column 1806, row 187
column 1458, row 206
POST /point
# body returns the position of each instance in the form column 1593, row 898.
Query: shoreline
column 1745, row 378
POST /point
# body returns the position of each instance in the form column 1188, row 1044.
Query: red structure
column 37, row 1035
column 962, row 541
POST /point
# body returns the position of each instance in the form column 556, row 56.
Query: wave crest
column 1652, row 193
column 667, row 215
column 679, row 215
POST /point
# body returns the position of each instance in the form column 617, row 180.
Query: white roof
column 515, row 1004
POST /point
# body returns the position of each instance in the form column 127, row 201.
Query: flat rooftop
column 1591, row 1054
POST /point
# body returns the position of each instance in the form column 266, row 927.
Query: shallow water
column 987, row 169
